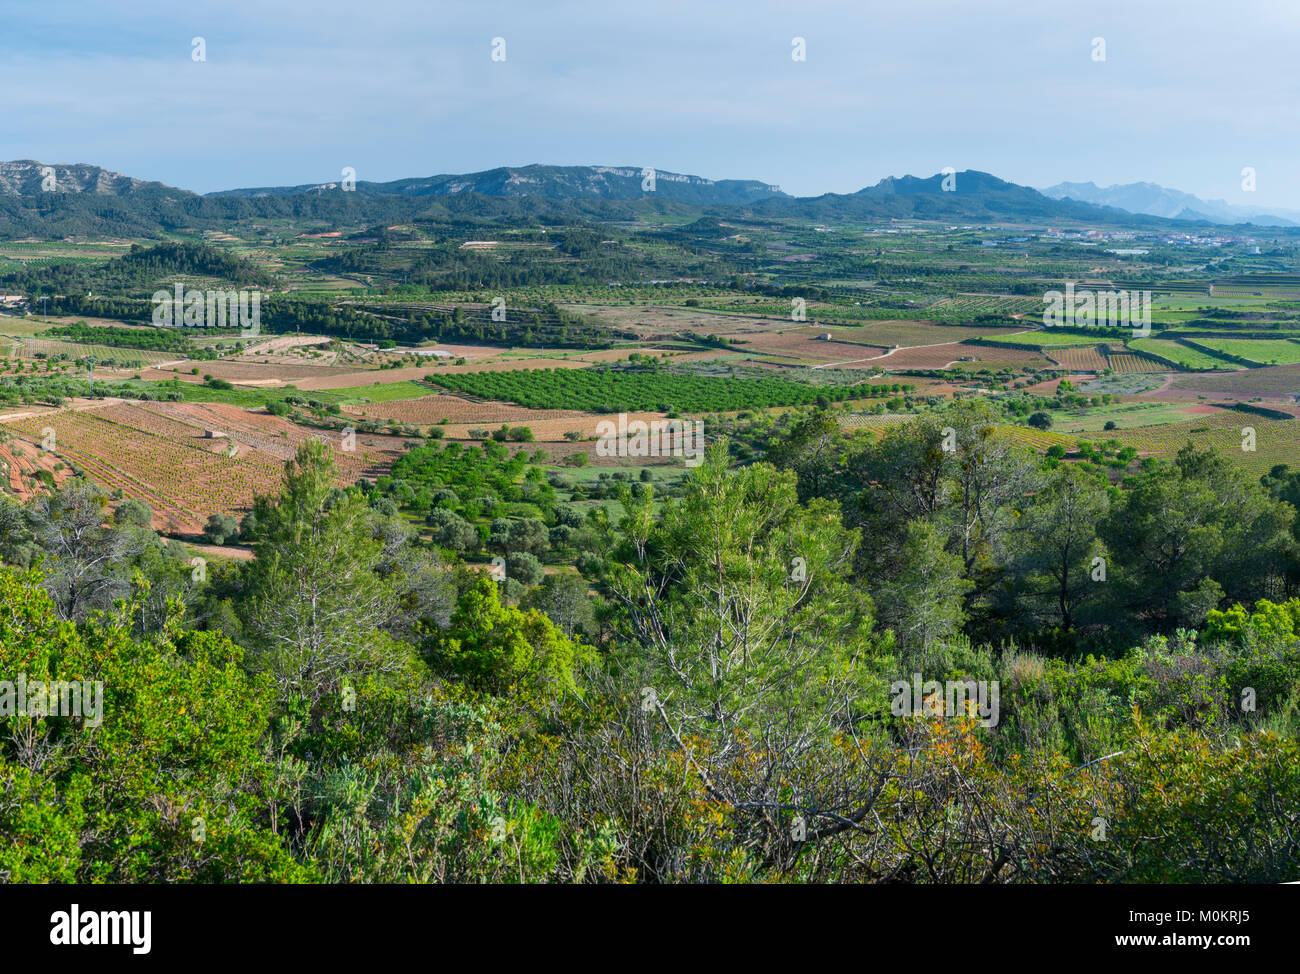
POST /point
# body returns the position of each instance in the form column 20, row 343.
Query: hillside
column 1153, row 200
column 551, row 182
column 91, row 201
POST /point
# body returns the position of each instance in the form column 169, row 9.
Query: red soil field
column 164, row 455
column 941, row 356
column 428, row 410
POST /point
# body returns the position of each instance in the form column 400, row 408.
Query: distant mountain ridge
column 83, row 199
column 27, row 177
column 967, row 196
column 552, row 182
column 1151, row 199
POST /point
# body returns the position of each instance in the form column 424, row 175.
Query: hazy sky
column 1189, row 94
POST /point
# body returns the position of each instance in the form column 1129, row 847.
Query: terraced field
column 162, row 454
column 875, row 422
column 881, row 423
column 911, row 333
column 1046, row 339
column 1079, row 359
column 19, row 464
column 941, row 356
column 428, row 410
column 1276, row 441
column 1278, row 382
column 805, row 344
column 1130, row 363
column 28, row 348
column 1259, row 351
column 1185, row 356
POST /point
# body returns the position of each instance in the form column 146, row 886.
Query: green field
column 1276, row 441
column 1050, row 339
column 1183, row 355
column 1126, row 415
column 609, row 391
column 379, row 392
column 1261, row 352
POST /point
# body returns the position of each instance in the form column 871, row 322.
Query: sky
column 1188, row 95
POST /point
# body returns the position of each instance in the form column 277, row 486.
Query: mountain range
column 553, row 182
column 55, row 200
column 1154, row 200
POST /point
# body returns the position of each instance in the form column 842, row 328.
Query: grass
column 379, row 392
column 1261, row 351
column 1276, row 441
column 1131, row 384
column 1051, row 339
column 1183, row 355
column 1124, row 415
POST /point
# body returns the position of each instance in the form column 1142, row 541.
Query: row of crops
column 166, row 472
column 609, row 390
column 1254, row 443
column 881, row 423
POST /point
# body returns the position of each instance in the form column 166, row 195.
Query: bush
column 220, row 529
column 525, row 569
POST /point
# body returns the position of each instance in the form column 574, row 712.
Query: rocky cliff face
column 27, row 177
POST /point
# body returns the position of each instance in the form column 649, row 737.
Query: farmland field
column 1124, row 416
column 1127, row 363
column 160, row 454
column 28, row 348
column 1047, row 339
column 1087, row 359
column 1276, row 441
column 427, row 410
column 602, row 390
column 968, row 356
column 1186, row 356
column 1259, row 351
column 1279, row 381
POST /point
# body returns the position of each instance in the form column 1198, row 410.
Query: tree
column 520, row 535
column 315, row 603
column 501, row 650
column 162, row 744
column 813, row 450
column 220, row 529
column 450, row 530
column 1042, row 421
column 1189, row 534
column 85, row 564
column 958, row 471
column 567, row 601
column 750, row 646
column 1057, row 542
column 524, row 568
column 923, row 603
column 133, row 512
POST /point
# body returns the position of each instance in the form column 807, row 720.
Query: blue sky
column 291, row 92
